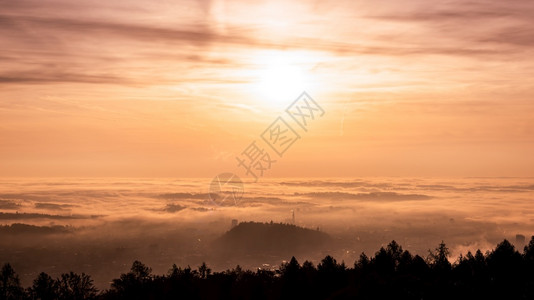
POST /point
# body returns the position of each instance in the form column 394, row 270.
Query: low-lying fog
column 100, row 226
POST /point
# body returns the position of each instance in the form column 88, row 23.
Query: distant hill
column 19, row 228
column 276, row 239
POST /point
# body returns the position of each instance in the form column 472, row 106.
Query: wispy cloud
column 373, row 196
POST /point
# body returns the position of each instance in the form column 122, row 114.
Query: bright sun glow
column 281, row 77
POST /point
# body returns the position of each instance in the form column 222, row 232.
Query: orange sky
column 180, row 88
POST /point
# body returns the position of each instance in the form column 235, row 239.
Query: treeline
column 392, row 273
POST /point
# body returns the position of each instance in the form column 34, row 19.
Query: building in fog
column 519, row 241
column 234, row 223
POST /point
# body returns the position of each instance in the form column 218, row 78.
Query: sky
column 182, row 88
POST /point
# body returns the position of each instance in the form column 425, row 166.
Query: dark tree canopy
column 392, row 272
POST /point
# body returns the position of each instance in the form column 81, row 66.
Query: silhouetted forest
column 392, row 273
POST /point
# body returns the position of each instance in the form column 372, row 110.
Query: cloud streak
column 68, row 42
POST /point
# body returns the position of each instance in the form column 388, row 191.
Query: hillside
column 252, row 238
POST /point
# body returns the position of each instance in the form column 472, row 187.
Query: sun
column 281, row 77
